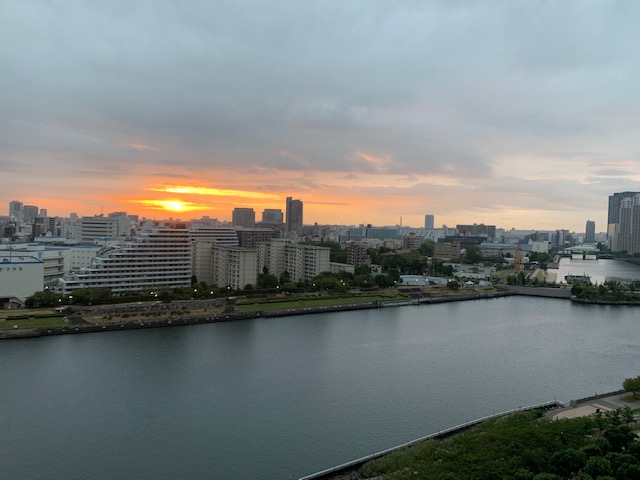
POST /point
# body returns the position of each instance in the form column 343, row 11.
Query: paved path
column 603, row 404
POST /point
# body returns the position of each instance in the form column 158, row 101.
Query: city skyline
column 520, row 115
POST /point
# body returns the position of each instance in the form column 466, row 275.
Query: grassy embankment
column 32, row 320
column 309, row 302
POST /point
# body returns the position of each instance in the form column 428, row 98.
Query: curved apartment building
column 158, row 258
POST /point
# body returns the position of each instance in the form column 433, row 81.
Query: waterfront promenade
column 139, row 315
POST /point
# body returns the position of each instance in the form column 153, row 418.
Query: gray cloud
column 439, row 87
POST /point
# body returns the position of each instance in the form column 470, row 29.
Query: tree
column 45, row 298
column 362, row 269
column 453, row 285
column 474, row 254
column 285, row 277
column 632, row 385
column 567, row 462
column 383, row 281
column 597, row 466
column 266, row 280
column 427, row 248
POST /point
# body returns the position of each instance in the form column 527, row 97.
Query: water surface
column 283, row 397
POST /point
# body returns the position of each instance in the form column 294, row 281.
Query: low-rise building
column 446, row 250
column 335, row 267
column 21, row 275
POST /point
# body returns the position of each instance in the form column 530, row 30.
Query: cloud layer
column 522, row 114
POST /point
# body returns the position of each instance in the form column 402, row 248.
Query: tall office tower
column 428, row 222
column 590, row 232
column 615, row 201
column 293, row 215
column 15, row 209
column 272, row 215
column 30, row 213
column 634, row 242
column 618, row 230
column 625, row 224
column 43, row 212
column 243, row 217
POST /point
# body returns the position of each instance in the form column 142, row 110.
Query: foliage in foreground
column 525, row 447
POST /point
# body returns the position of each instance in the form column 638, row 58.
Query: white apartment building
column 219, row 235
column 158, row 258
column 272, row 256
column 234, row 267
column 203, row 239
column 303, row 262
column 79, row 256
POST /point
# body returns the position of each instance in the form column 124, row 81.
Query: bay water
column 280, row 398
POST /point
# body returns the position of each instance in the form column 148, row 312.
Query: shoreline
column 176, row 321
column 179, row 321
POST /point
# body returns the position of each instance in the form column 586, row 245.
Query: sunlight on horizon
column 211, row 191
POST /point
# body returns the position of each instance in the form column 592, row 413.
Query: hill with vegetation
column 524, row 446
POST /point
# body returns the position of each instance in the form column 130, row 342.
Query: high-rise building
column 250, row 237
column 243, row 217
column 123, row 227
column 234, row 267
column 15, row 209
column 622, row 221
column 293, row 215
column 590, row 232
column 272, row 215
column 615, row 201
column 30, row 212
column 428, row 222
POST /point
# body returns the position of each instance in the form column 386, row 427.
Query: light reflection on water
column 598, row 270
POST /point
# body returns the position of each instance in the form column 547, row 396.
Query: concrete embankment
column 564, row 293
column 605, row 302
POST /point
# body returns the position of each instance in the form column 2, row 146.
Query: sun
column 174, row 205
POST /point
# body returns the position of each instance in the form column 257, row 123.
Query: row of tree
column 609, row 291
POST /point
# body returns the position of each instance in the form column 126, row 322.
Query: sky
column 520, row 114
